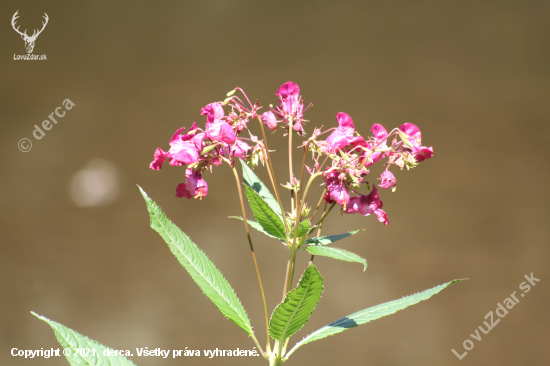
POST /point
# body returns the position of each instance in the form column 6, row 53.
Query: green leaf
column 372, row 313
column 337, row 253
column 265, row 216
column 256, row 226
column 303, row 228
column 92, row 350
column 324, row 240
column 200, row 267
column 252, row 180
column 294, row 311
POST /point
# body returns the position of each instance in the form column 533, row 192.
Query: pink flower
column 387, row 180
column 366, row 205
column 343, row 135
column 269, row 119
column 291, row 107
column 214, row 112
column 220, row 131
column 160, row 157
column 289, row 96
column 379, row 133
column 413, row 135
column 241, row 149
column 195, row 186
column 336, row 189
column 181, row 152
column 198, row 140
column 375, row 150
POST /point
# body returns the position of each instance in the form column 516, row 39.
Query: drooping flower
column 375, row 150
column 387, row 179
column 414, row 137
column 269, row 120
column 220, row 131
column 343, row 135
column 337, row 191
column 289, row 96
column 291, row 108
column 214, row 112
column 181, row 152
column 241, row 149
column 216, row 128
column 194, row 187
column 366, row 205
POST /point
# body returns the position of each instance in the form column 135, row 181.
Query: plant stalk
column 268, row 345
column 272, row 174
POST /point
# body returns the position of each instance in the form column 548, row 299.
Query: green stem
column 318, row 230
column 268, row 346
column 272, row 174
column 319, row 203
column 290, row 162
column 325, row 214
column 292, row 257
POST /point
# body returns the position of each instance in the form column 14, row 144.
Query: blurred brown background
column 474, row 76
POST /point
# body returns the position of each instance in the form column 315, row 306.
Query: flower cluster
column 290, row 110
column 219, row 141
column 351, row 155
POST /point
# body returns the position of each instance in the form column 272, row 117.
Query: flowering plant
column 342, row 160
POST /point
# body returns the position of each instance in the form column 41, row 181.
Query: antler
column 35, row 35
column 15, row 16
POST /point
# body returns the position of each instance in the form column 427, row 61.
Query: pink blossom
column 375, row 150
column 181, row 152
column 379, row 133
column 195, row 186
column 343, row 135
column 198, row 140
column 336, row 189
column 214, row 112
column 387, row 179
column 241, row 149
column 269, row 119
column 160, row 157
column 413, row 135
column 291, row 107
column 289, row 95
column 366, row 205
column 220, row 131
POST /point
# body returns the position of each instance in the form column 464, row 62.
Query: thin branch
column 272, row 174
column 290, row 269
column 319, row 229
column 268, row 346
column 319, row 203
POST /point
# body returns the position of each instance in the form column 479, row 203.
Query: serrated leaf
column 265, row 216
column 295, row 310
column 256, row 226
column 93, row 351
column 369, row 314
column 303, row 228
column 337, row 253
column 252, row 180
column 205, row 274
column 325, row 240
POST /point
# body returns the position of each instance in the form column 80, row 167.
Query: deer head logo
column 29, row 41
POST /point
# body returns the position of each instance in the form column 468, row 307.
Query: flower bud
column 387, row 180
column 269, row 120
